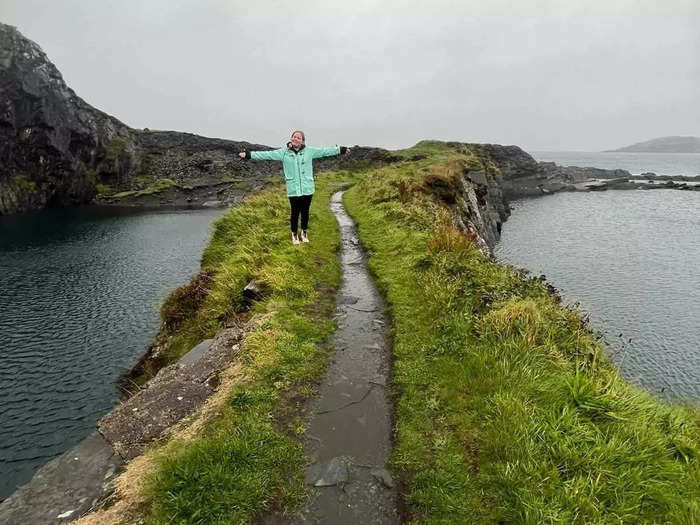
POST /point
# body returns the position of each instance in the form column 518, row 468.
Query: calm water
column 80, row 291
column 631, row 259
column 687, row 164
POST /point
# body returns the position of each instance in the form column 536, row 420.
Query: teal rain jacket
column 297, row 166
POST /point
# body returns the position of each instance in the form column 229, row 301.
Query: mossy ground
column 507, row 409
column 157, row 186
column 23, row 184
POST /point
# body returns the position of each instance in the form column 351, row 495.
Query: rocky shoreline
column 551, row 178
column 81, row 478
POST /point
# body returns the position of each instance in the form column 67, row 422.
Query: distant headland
column 664, row 145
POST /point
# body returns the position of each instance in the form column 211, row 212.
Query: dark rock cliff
column 57, row 150
column 51, row 141
column 484, row 186
column 504, row 173
column 481, row 206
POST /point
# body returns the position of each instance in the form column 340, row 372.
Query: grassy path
column 250, row 459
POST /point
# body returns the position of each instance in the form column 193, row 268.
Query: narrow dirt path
column 349, row 435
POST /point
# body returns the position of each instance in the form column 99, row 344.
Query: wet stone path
column 349, row 434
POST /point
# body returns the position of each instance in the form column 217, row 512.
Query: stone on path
column 329, row 473
column 384, row 476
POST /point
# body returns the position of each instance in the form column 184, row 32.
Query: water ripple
column 630, row 258
column 79, row 304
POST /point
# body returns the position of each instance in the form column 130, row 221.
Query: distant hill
column 665, row 145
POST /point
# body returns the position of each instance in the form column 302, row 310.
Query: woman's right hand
column 242, row 154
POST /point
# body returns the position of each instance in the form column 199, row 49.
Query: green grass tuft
column 158, row 186
column 243, row 466
column 24, row 184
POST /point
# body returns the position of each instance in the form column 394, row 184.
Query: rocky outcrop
column 173, row 393
column 575, row 174
column 523, row 176
column 80, row 479
column 66, row 487
column 479, row 199
column 513, row 163
column 528, row 178
column 198, row 171
column 481, row 207
column 472, row 189
column 57, row 150
column 51, row 141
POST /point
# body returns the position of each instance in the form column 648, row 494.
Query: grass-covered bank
column 507, row 408
column 245, row 458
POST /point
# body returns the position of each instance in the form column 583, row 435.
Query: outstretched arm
column 275, row 154
column 328, row 152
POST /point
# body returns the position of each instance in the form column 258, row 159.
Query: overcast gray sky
column 544, row 75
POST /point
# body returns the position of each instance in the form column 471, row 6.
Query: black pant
column 299, row 205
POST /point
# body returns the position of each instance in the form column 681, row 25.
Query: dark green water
column 79, row 298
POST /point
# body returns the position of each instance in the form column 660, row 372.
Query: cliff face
column 57, row 150
column 51, row 141
column 504, row 173
column 486, row 186
column 481, row 207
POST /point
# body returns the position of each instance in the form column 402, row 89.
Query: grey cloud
column 539, row 74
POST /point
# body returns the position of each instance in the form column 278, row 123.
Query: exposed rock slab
column 481, row 208
column 175, row 391
column 66, row 487
column 70, row 485
column 196, row 353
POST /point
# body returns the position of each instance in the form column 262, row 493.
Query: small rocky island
column 664, row 145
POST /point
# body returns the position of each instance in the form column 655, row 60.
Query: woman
column 299, row 175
